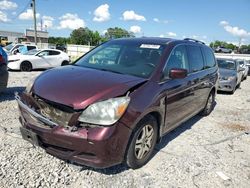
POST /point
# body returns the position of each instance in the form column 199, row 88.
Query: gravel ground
column 213, row 151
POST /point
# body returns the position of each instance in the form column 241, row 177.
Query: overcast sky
column 207, row 20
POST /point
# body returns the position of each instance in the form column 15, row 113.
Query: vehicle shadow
column 9, row 93
column 35, row 70
column 164, row 141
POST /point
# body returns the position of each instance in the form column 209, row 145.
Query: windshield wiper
column 108, row 70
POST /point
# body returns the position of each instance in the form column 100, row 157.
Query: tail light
column 2, row 60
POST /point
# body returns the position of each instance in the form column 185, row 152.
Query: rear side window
column 31, row 48
column 54, row 52
column 177, row 59
column 209, row 57
column 195, row 58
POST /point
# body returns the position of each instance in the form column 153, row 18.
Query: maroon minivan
column 116, row 102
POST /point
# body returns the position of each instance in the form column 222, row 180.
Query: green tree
column 58, row 40
column 117, row 32
column 95, row 38
column 81, row 36
column 218, row 43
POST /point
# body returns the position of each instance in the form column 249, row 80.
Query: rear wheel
column 142, row 143
column 26, row 66
column 209, row 105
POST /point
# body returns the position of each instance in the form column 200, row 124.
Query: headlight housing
column 228, row 78
column 105, row 112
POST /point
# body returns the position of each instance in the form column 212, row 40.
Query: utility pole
column 34, row 17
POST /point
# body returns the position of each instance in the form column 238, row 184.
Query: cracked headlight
column 105, row 112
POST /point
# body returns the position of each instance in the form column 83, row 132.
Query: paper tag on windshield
column 151, row 46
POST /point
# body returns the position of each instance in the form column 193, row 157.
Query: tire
column 238, row 86
column 209, row 104
column 26, row 66
column 232, row 92
column 136, row 155
column 64, row 63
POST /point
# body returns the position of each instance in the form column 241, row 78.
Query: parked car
column 37, row 59
column 248, row 64
column 61, row 47
column 243, row 64
column 13, row 49
column 221, row 49
column 3, row 70
column 231, row 74
column 118, row 100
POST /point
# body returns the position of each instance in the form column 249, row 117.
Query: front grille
column 57, row 113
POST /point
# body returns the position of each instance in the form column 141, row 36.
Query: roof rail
column 194, row 40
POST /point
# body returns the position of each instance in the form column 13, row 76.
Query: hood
column 79, row 87
column 13, row 57
column 226, row 72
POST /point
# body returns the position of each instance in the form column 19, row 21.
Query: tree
column 80, row 36
column 117, row 33
column 84, row 36
column 95, row 38
column 58, row 40
column 218, row 43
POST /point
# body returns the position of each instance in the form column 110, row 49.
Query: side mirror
column 178, row 73
column 40, row 55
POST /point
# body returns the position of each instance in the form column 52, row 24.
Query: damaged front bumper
column 99, row 147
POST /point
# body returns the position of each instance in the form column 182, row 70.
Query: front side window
column 132, row 58
column 195, row 58
column 178, row 59
column 43, row 53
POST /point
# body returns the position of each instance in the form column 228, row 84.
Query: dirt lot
column 204, row 152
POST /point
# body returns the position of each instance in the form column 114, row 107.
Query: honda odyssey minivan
column 116, row 102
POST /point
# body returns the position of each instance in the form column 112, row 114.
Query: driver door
column 41, row 60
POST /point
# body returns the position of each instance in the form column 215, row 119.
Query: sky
column 206, row 20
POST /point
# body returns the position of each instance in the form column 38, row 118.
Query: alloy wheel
column 144, row 141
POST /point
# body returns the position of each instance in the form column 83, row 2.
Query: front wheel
column 142, row 143
column 26, row 66
column 209, row 105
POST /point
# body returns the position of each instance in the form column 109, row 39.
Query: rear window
column 195, row 58
column 31, row 47
column 51, row 52
column 209, row 57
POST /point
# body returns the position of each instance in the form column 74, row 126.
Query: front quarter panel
column 144, row 100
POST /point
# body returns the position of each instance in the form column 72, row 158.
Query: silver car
column 231, row 74
column 243, row 64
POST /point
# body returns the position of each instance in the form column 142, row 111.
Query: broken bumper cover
column 98, row 147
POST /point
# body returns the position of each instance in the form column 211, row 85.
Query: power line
column 24, row 9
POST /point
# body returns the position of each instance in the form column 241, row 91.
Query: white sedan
column 38, row 59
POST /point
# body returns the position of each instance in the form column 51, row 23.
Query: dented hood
column 79, row 87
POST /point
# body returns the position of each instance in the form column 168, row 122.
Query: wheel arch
column 27, row 62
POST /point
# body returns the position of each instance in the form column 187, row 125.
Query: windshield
column 31, row 52
column 225, row 64
column 9, row 47
column 241, row 62
column 135, row 58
